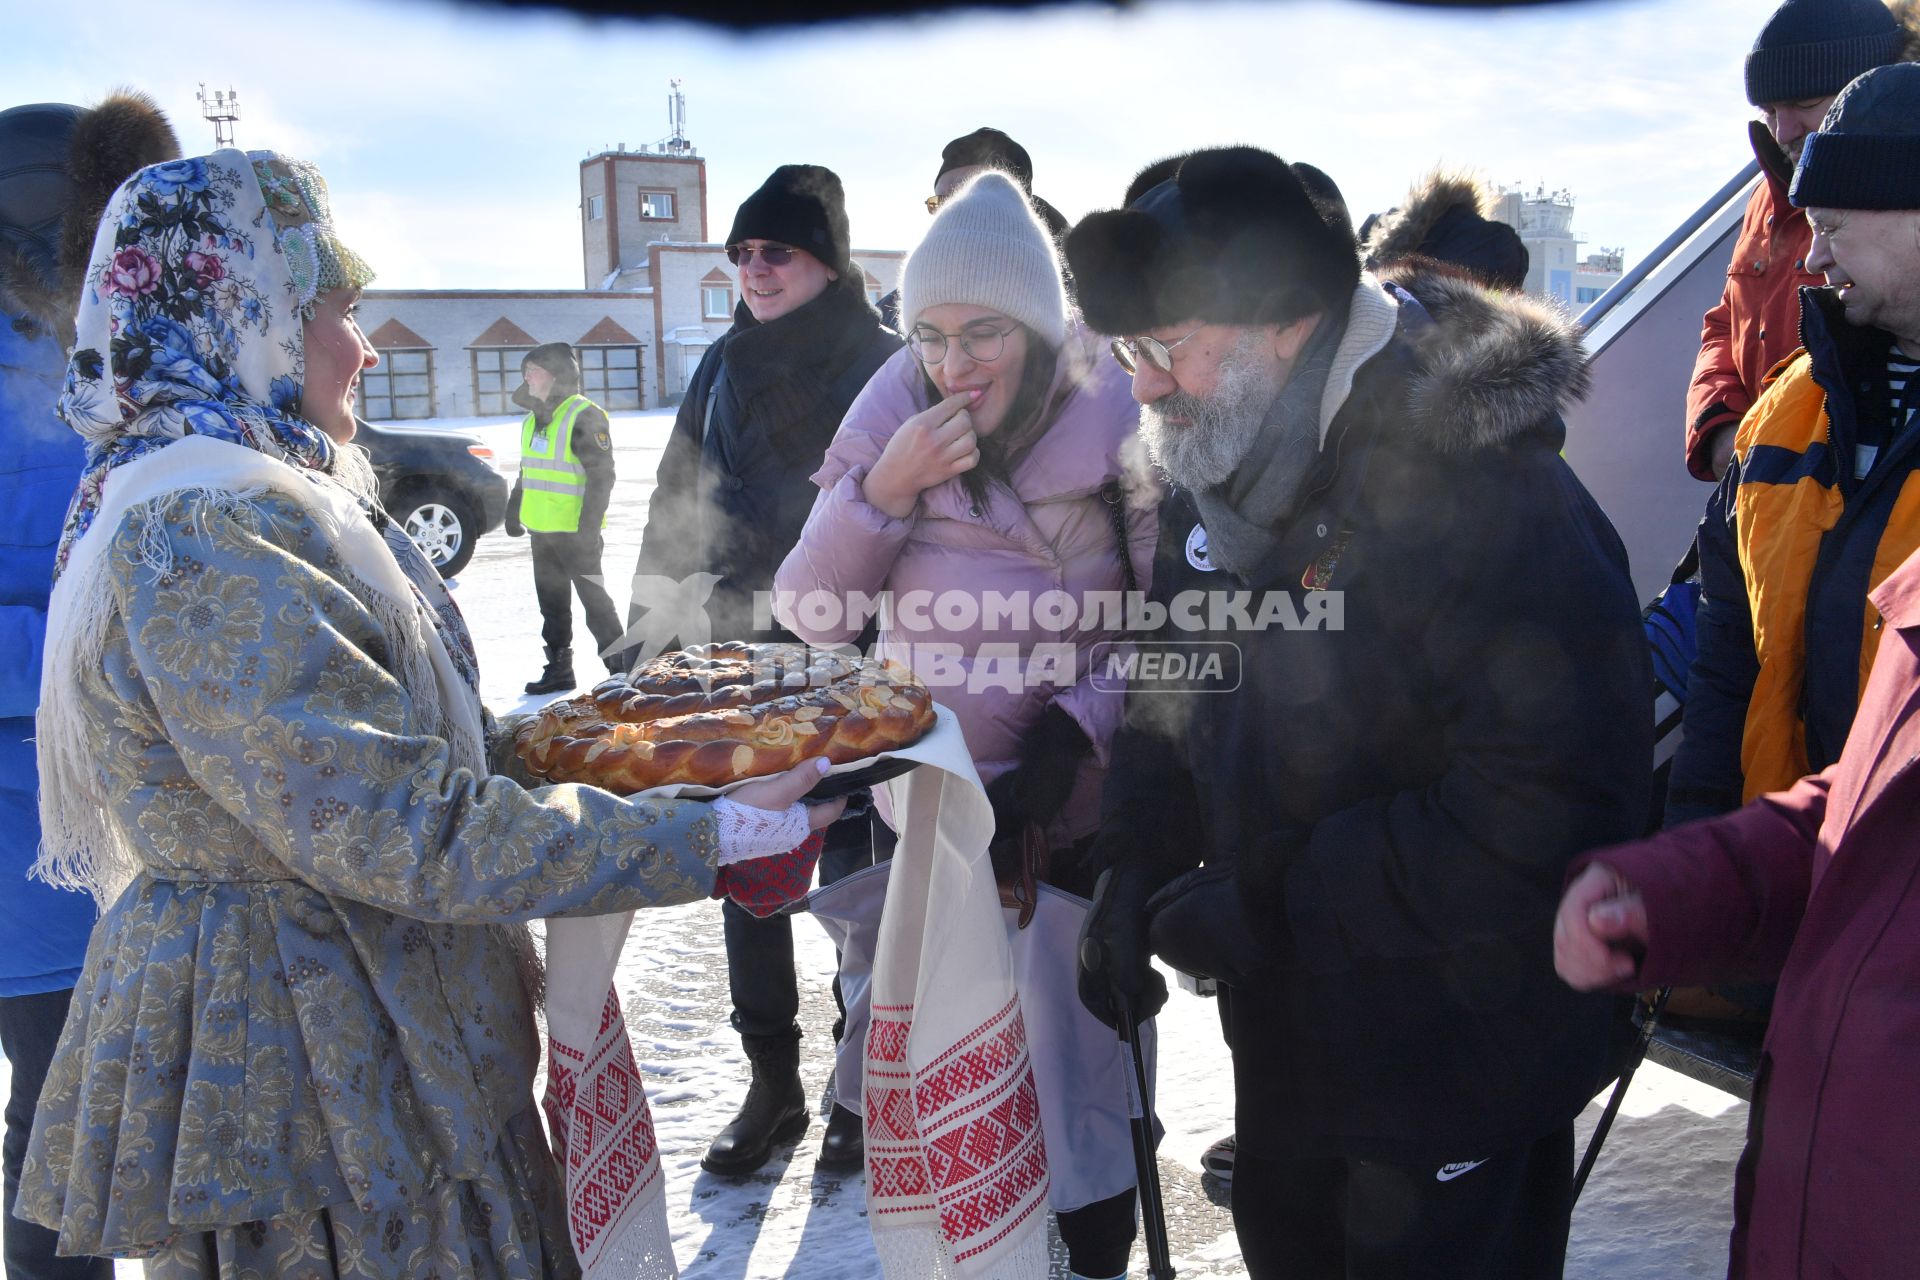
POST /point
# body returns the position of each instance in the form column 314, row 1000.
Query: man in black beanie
column 1815, row 508
column 1807, row 51
column 1435, row 700
column 960, row 160
column 1816, row 881
column 985, row 149
column 734, row 489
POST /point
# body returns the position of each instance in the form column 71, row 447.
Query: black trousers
column 1099, row 1236
column 760, row 974
column 565, row 563
column 29, row 1030
column 1486, row 1216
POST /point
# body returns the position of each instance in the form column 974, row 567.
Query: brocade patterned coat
column 304, row 1007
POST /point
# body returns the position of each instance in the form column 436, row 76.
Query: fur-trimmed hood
column 1493, row 367
column 46, row 237
column 1907, row 14
column 1449, row 216
column 1400, row 232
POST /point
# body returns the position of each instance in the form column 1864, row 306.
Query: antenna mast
column 677, row 120
column 222, row 109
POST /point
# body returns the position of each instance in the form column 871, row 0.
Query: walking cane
column 1634, row 1060
column 1146, row 1169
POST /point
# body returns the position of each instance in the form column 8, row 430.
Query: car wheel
column 442, row 526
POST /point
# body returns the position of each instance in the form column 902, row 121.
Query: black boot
column 558, row 676
column 775, row 1110
column 844, row 1145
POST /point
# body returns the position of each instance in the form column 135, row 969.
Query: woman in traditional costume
column 303, row 1042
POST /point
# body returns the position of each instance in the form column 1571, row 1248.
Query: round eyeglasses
column 774, row 255
column 1133, row 352
column 983, row 340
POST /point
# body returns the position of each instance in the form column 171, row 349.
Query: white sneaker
column 1218, row 1159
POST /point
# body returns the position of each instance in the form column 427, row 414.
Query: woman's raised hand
column 932, row 446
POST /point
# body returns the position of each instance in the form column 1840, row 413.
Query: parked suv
column 440, row 485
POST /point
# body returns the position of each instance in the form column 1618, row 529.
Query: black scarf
column 782, row 373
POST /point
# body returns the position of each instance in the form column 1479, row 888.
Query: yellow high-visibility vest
column 553, row 484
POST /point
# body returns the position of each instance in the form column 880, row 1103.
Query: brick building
column 656, row 291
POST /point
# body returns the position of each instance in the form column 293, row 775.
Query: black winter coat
column 1402, row 795
column 734, row 485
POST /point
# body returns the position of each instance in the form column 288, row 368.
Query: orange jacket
column 1756, row 323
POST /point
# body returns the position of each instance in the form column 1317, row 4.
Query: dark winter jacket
column 1754, row 325
column 43, row 930
column 1401, row 793
column 62, row 163
column 735, row 482
column 1791, row 545
column 1818, row 886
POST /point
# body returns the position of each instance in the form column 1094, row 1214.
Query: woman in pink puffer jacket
column 978, row 480
column 987, row 458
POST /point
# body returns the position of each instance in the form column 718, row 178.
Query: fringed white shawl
column 83, row 845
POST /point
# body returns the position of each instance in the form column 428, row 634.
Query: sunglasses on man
column 774, row 255
column 1133, row 352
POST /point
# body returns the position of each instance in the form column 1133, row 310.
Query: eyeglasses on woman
column 983, row 340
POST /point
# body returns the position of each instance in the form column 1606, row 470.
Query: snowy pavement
column 1659, row 1203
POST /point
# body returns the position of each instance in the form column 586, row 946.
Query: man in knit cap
column 1818, row 503
column 1805, row 54
column 984, row 149
column 733, row 492
column 1817, row 884
column 1386, row 802
column 963, row 159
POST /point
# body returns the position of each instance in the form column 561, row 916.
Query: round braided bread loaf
column 717, row 713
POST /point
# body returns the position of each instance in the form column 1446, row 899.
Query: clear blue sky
column 451, row 136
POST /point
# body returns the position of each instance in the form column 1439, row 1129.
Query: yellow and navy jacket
column 1791, row 544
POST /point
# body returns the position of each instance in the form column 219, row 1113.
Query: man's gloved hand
column 1199, row 923
column 1115, row 963
column 1034, row 792
column 589, row 545
column 514, row 528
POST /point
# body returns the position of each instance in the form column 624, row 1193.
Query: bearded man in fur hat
column 58, row 165
column 1434, row 699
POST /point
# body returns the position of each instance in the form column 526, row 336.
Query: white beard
column 1221, row 427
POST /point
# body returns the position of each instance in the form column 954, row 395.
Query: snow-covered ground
column 1658, row 1205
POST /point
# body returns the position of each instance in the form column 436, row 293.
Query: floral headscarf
column 190, row 314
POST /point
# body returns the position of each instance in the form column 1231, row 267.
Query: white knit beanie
column 987, row 248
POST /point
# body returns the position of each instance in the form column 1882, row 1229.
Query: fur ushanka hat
column 1231, row 238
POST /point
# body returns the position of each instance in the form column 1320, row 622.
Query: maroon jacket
column 1756, row 323
column 1820, row 885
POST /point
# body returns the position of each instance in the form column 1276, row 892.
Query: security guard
column 566, row 478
